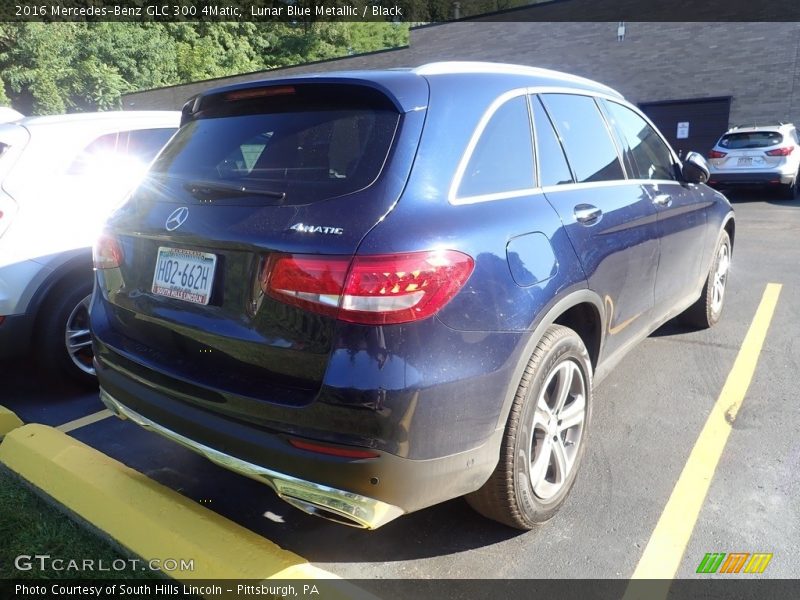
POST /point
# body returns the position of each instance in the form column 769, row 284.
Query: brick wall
column 758, row 64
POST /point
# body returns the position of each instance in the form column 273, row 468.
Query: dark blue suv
column 376, row 291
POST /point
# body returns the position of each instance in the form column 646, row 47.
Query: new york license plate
column 184, row 274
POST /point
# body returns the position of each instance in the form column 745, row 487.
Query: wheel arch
column 69, row 270
column 570, row 311
column 730, row 227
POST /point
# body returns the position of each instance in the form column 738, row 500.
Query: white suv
column 765, row 157
column 60, row 177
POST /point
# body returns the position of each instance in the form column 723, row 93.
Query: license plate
column 745, row 161
column 184, row 274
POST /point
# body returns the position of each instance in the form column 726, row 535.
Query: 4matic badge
column 317, row 229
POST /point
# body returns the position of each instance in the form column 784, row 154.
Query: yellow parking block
column 8, row 421
column 147, row 518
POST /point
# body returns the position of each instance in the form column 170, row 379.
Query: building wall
column 758, row 64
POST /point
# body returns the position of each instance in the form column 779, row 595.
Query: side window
column 553, row 167
column 589, row 147
column 502, row 160
column 650, row 154
column 140, row 145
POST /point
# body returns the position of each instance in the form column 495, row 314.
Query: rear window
column 751, row 139
column 502, row 161
column 303, row 144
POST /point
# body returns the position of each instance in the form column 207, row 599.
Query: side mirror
column 695, row 168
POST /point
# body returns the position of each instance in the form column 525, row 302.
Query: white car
column 757, row 157
column 60, row 177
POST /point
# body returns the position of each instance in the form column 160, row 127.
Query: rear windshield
column 752, row 139
column 301, row 145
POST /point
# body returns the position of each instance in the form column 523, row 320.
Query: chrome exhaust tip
column 323, row 512
column 345, row 508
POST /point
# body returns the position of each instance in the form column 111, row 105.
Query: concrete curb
column 8, row 421
column 143, row 516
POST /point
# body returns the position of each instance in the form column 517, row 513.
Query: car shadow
column 38, row 397
column 673, row 327
column 770, row 197
column 448, row 528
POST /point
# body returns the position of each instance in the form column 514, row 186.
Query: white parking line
column 87, row 420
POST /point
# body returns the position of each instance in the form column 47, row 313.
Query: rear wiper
column 207, row 188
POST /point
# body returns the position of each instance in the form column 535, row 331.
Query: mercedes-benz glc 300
column 380, row 290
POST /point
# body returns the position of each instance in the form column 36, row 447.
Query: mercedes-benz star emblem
column 177, row 218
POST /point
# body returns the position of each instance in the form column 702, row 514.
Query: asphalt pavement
column 648, row 415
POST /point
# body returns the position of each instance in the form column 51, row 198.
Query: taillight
column 780, row 151
column 264, row 92
column 333, row 450
column 376, row 290
column 716, row 154
column 107, row 253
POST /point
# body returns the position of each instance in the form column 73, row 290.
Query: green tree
column 50, row 68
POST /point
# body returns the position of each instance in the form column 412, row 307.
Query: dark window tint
column 144, row 144
column 309, row 143
column 752, row 139
column 651, row 156
column 140, row 145
column 503, row 157
column 553, row 167
column 591, row 153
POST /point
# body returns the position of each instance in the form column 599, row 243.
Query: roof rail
column 757, row 125
column 475, row 67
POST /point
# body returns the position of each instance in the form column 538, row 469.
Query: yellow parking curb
column 8, row 421
column 142, row 515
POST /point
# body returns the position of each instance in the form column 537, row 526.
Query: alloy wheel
column 77, row 337
column 720, row 278
column 557, row 429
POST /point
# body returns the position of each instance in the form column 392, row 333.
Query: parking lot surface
column 648, row 415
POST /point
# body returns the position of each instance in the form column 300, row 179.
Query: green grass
column 31, row 526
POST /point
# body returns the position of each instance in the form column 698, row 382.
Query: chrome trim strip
column 478, row 67
column 313, row 498
column 455, row 200
column 452, row 195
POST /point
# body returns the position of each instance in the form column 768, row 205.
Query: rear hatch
column 254, row 175
column 750, row 151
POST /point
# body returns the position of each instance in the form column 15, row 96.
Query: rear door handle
column 664, row 200
column 586, row 214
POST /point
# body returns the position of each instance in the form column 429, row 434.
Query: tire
column 65, row 317
column 706, row 312
column 789, row 192
column 534, row 475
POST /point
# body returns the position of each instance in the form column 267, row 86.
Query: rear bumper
column 344, row 507
column 755, row 179
column 361, row 492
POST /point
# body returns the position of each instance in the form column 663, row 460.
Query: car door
column 610, row 221
column 680, row 206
